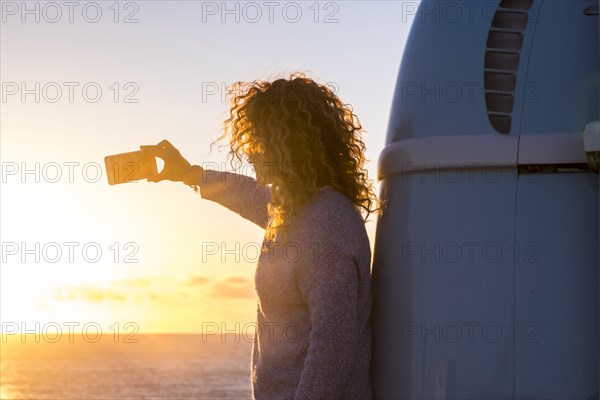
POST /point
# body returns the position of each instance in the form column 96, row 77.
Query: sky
column 90, row 79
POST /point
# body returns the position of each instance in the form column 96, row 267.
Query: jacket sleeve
column 328, row 281
column 241, row 194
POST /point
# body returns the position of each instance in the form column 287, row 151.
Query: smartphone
column 130, row 167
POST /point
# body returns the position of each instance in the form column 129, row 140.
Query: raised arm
column 241, row 194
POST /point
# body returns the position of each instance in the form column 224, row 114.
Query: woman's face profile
column 263, row 168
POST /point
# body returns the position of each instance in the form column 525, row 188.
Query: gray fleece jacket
column 313, row 338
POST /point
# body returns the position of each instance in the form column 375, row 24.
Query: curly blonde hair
column 306, row 137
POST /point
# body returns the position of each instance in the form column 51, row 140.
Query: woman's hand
column 176, row 167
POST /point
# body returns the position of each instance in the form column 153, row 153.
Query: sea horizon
column 156, row 366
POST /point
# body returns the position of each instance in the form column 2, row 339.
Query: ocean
column 158, row 366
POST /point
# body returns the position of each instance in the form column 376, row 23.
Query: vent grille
column 501, row 63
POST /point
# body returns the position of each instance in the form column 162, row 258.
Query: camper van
column 486, row 259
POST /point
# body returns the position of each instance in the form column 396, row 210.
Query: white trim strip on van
column 479, row 151
column 551, row 148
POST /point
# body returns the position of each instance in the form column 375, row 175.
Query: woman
column 313, row 277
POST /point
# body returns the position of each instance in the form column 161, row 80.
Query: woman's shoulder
column 330, row 215
column 328, row 201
